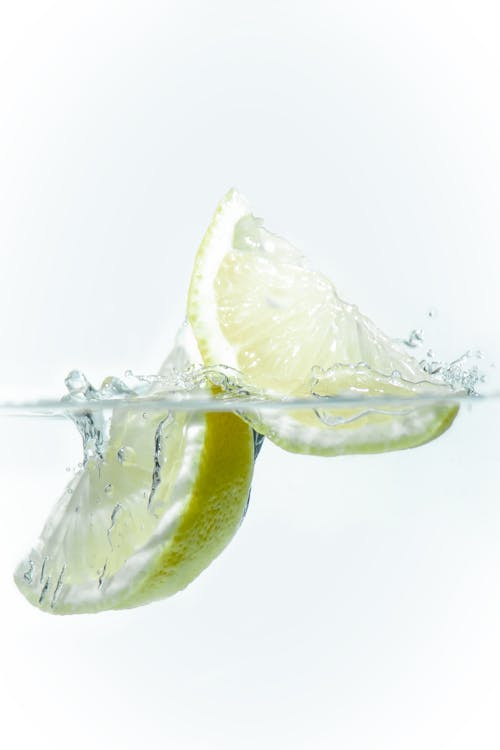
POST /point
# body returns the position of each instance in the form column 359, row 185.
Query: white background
column 359, row 605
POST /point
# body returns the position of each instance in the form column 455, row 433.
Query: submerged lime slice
column 142, row 520
column 255, row 305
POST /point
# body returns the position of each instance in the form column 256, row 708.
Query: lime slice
column 144, row 519
column 255, row 305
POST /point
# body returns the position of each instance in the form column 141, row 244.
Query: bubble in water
column 28, row 574
column 116, row 510
column 124, row 453
column 160, row 436
column 108, row 489
column 58, row 587
column 44, row 564
column 101, row 574
column 92, row 429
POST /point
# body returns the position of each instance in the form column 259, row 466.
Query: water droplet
column 415, row 338
column 108, row 489
column 76, row 383
column 432, row 312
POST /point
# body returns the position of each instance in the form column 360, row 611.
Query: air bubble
column 28, row 574
column 124, row 454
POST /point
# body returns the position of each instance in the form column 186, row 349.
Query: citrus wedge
column 255, row 305
column 145, row 515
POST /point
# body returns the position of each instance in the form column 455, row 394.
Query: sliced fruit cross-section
column 142, row 520
column 255, row 305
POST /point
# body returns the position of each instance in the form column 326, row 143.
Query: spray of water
column 462, row 373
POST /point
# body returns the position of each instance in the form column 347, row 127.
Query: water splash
column 93, row 420
column 461, row 373
column 93, row 424
column 77, row 384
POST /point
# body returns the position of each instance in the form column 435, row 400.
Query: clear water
column 158, row 402
column 373, row 578
column 192, row 389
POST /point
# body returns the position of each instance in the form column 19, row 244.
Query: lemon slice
column 145, row 515
column 255, row 305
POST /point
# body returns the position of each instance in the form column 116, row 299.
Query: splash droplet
column 415, row 338
column 77, row 383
